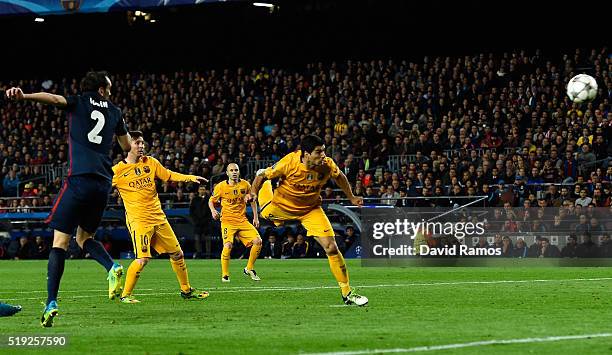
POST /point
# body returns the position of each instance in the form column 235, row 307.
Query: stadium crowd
column 494, row 125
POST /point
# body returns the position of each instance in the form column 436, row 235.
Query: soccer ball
column 582, row 88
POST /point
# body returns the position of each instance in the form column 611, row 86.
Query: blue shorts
column 81, row 202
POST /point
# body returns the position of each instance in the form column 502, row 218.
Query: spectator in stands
column 520, row 249
column 587, row 249
column 42, row 248
column 506, row 248
column 349, row 238
column 272, row 249
column 10, row 184
column 535, row 249
column 287, row 249
column 548, row 250
column 28, row 190
column 570, row 250
column 498, row 241
column 26, row 249
column 201, row 218
column 584, row 200
column 606, row 246
column 300, row 247
column 583, row 225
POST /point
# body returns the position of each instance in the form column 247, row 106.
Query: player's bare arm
column 213, row 210
column 255, row 214
column 17, row 94
column 125, row 142
column 344, row 184
column 256, row 186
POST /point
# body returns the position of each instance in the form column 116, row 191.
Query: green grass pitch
column 297, row 308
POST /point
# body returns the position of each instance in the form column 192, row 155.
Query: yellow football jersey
column 136, row 185
column 300, row 188
column 233, row 205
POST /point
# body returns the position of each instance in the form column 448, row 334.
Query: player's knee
column 80, row 239
column 228, row 245
column 177, row 255
column 143, row 261
column 61, row 243
column 257, row 241
column 331, row 249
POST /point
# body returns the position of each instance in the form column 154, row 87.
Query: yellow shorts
column 245, row 231
column 315, row 221
column 160, row 237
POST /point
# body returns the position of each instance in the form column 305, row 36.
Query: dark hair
column 310, row 142
column 136, row 134
column 94, row 80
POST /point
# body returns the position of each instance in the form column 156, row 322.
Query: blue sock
column 55, row 270
column 97, row 252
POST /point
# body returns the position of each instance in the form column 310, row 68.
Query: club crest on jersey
column 309, row 177
column 137, row 171
column 146, row 169
column 243, row 191
column 236, row 192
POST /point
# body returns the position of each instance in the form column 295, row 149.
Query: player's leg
column 133, row 274
column 141, row 236
column 55, row 270
column 249, row 236
column 317, row 224
column 92, row 194
column 164, row 241
column 228, row 232
column 63, row 220
column 94, row 248
column 7, row 310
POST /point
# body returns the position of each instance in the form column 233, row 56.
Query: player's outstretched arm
column 169, row 175
column 41, row 97
column 344, row 184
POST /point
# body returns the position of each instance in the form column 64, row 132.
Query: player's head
column 137, row 143
column 97, row 81
column 313, row 150
column 233, row 172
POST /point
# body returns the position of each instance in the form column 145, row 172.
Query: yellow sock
column 338, row 268
column 225, row 260
column 180, row 269
column 133, row 274
column 255, row 250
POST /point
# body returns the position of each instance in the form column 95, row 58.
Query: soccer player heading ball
column 146, row 221
column 92, row 122
column 234, row 194
column 298, row 197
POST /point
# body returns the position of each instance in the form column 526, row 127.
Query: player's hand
column 200, row 180
column 256, row 221
column 215, row 214
column 15, row 94
column 357, row 200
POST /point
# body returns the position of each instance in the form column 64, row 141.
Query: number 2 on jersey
column 93, row 134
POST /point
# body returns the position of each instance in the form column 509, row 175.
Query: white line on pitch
column 466, row 345
column 280, row 288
